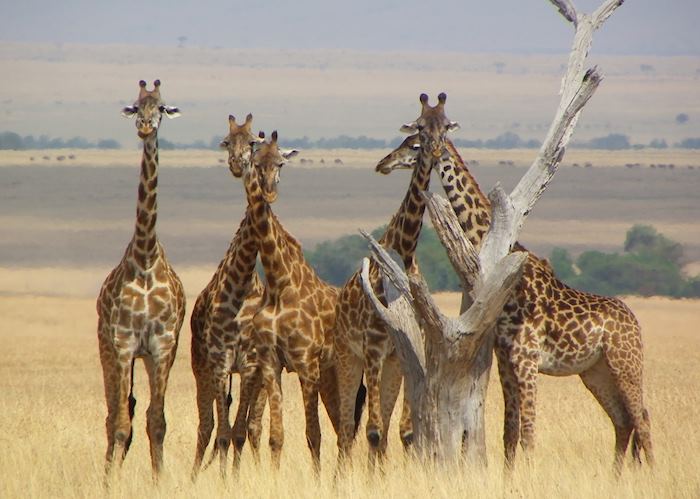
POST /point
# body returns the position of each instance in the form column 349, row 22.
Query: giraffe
column 550, row 328
column 361, row 340
column 141, row 305
column 292, row 328
column 217, row 348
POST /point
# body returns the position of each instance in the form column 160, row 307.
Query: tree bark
column 446, row 361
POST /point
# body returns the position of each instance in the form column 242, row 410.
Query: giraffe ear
column 170, row 112
column 129, row 111
column 289, row 153
column 411, row 127
column 453, row 125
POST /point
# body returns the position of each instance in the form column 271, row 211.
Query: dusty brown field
column 52, row 416
column 353, row 158
column 59, row 213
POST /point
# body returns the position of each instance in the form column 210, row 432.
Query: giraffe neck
column 278, row 250
column 145, row 242
column 239, row 267
column 402, row 233
column 469, row 203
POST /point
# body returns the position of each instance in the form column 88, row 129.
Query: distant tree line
column 650, row 265
column 12, row 140
column 618, row 141
column 507, row 140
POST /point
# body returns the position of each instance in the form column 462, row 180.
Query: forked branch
column 447, row 366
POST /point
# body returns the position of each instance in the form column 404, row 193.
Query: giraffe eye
column 415, row 147
column 161, row 109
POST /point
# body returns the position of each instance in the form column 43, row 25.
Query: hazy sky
column 662, row 27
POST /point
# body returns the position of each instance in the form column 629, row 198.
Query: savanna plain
column 66, row 226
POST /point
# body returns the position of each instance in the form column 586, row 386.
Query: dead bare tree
column 446, row 361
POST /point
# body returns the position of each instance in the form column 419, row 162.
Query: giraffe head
column 432, row 126
column 239, row 143
column 149, row 110
column 268, row 160
column 404, row 156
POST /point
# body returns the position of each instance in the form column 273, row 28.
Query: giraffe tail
column 132, row 409
column 638, row 443
column 229, row 398
column 360, row 399
column 216, row 450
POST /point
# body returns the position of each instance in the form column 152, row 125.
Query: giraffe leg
column 511, row 406
column 255, row 415
column 525, row 370
column 205, row 400
column 599, row 380
column 250, row 388
column 223, row 428
column 628, row 378
column 349, row 373
column 328, row 389
column 390, row 388
column 249, row 379
column 374, row 364
column 112, row 397
column 122, row 419
column 309, row 380
column 272, row 381
column 110, row 374
column 158, row 371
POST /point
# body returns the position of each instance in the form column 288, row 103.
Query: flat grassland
column 52, row 416
column 65, row 226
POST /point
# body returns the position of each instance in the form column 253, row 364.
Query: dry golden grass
column 52, row 416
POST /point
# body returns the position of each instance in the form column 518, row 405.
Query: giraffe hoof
column 373, row 437
column 239, row 441
column 222, row 443
column 122, row 436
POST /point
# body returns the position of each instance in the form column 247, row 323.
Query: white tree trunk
column 446, row 361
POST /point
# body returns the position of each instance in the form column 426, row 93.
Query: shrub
column 650, row 265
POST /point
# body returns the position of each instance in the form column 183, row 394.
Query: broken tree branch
column 460, row 251
column 402, row 325
column 566, row 9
